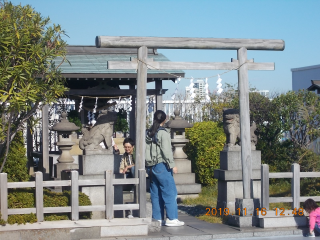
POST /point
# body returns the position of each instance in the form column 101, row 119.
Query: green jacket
column 161, row 152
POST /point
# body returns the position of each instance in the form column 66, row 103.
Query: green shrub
column 25, row 198
column 22, row 218
column 2, row 222
column 16, row 164
column 121, row 125
column 73, row 117
column 206, row 141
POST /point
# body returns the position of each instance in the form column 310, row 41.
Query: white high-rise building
column 199, row 89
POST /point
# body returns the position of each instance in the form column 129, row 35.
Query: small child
column 311, row 207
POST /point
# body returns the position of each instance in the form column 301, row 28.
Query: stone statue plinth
column 94, row 166
column 102, row 151
column 229, row 178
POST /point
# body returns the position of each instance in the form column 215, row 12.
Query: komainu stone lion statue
column 231, row 126
column 254, row 138
column 101, row 131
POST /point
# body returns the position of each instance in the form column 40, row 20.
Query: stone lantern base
column 58, row 167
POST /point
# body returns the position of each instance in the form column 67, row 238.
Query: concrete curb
column 93, row 234
column 293, row 232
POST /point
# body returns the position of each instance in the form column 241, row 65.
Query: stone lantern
column 65, row 160
column 179, row 140
column 185, row 179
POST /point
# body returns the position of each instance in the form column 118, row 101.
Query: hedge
column 206, row 141
column 25, row 198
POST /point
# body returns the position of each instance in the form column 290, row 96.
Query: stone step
column 82, row 229
column 192, row 188
column 183, row 165
column 276, row 222
column 184, row 178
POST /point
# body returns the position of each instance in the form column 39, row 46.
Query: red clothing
column 314, row 218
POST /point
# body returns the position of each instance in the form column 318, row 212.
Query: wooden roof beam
column 111, row 92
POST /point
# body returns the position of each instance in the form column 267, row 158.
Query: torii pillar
column 242, row 64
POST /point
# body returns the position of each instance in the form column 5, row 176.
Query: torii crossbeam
column 242, row 63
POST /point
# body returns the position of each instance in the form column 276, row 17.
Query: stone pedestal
column 185, row 178
column 246, row 213
column 94, row 167
column 230, row 178
column 58, row 167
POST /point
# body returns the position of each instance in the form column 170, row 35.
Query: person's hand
column 175, row 170
column 115, row 147
column 125, row 170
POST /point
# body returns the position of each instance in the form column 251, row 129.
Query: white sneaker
column 311, row 235
column 161, row 222
column 174, row 223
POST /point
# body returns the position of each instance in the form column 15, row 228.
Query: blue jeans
column 163, row 192
column 130, row 174
column 316, row 228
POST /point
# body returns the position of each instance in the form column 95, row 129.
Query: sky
column 294, row 21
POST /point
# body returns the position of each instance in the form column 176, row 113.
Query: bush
column 121, row 125
column 25, row 198
column 16, row 164
column 2, row 222
column 206, row 141
column 73, row 117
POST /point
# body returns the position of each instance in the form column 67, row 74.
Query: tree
column 295, row 115
column 218, row 102
column 300, row 116
column 28, row 76
column 16, row 167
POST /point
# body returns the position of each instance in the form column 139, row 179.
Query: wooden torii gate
column 242, row 63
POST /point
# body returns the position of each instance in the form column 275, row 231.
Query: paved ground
column 197, row 229
column 275, row 238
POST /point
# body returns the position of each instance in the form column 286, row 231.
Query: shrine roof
column 92, row 62
column 315, row 85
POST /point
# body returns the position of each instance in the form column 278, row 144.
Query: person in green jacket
column 160, row 168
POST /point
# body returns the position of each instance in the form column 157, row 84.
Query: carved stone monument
column 230, row 186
